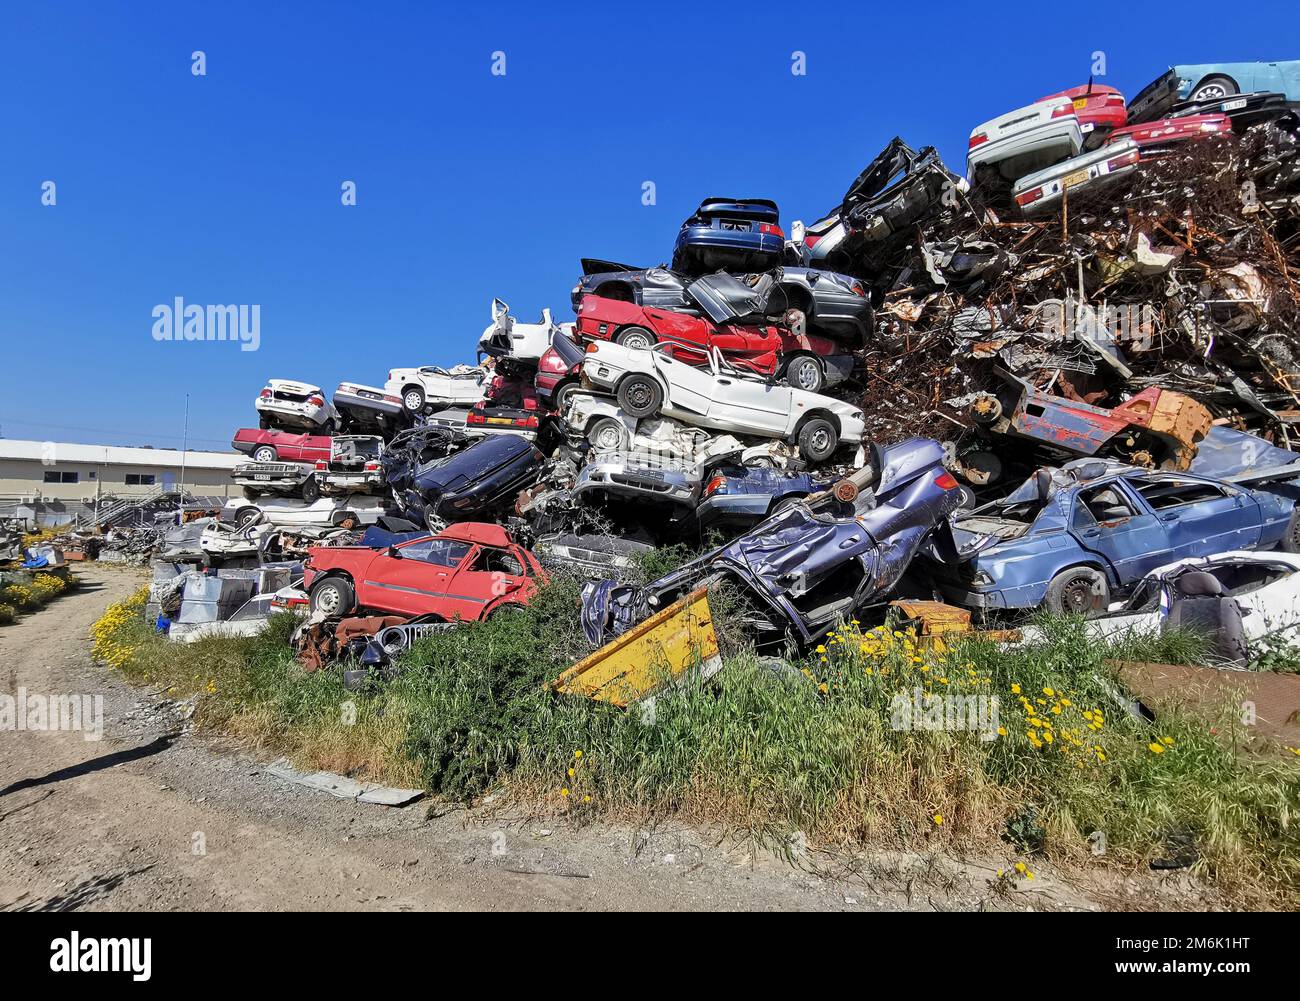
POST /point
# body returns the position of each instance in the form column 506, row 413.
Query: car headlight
column 982, row 579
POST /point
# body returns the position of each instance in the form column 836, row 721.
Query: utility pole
column 185, row 444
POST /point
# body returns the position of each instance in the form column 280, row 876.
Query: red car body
column 288, row 446
column 1154, row 137
column 1096, row 106
column 758, row 348
column 466, row 572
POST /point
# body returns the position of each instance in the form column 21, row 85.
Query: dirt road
column 152, row 817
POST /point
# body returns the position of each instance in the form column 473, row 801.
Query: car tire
column 607, row 435
column 250, row 494
column 433, row 522
column 504, row 611
column 1078, row 591
column 333, row 596
column 246, row 516
column 636, row 337
column 413, row 399
column 564, row 394
column 311, row 489
column 1212, row 88
column 806, row 372
column 1291, row 540
column 265, row 453
column 784, row 504
column 818, row 440
column 264, row 424
column 640, row 396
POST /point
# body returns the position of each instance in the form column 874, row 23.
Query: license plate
column 260, row 477
column 1234, row 105
column 499, row 420
column 1070, row 180
column 1080, row 103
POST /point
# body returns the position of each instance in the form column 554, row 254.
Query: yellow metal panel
column 661, row 648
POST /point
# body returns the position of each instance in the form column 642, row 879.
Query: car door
column 486, row 575
column 750, row 403
column 416, row 582
column 690, row 388
column 1112, row 522
column 1200, row 517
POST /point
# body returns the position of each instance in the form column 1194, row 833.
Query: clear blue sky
column 225, row 188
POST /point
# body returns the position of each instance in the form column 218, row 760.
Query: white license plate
column 1234, row 105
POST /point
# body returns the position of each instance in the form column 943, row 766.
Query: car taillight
column 977, row 138
column 1030, row 196
column 857, row 289
column 372, row 467
column 316, row 401
column 1063, row 111
column 265, row 394
column 1211, row 126
column 945, row 481
column 714, row 485
column 591, row 347
column 770, row 229
column 1115, row 99
column 810, row 241
column 1132, row 156
column 392, row 399
column 322, row 465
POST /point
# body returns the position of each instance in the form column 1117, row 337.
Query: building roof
column 51, row 453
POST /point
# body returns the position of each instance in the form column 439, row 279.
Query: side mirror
column 394, row 553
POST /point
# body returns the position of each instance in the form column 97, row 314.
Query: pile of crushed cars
column 1068, row 379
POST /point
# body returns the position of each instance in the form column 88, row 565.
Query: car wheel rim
column 640, row 396
column 821, row 441
column 328, row 601
column 1080, row 594
column 1212, row 92
column 412, row 401
column 263, row 455
column 607, row 439
column 636, row 341
column 806, row 376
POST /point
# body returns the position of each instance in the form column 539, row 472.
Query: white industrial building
column 52, row 482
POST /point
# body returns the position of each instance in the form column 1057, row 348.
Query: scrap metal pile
column 1088, row 337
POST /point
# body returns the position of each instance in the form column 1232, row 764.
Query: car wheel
column 818, row 440
column 246, row 516
column 564, row 394
column 310, row 490
column 607, row 435
column 433, row 522
column 1212, row 88
column 640, row 396
column 413, row 399
column 264, row 453
column 784, row 504
column 249, row 493
column 1078, row 591
column 805, row 372
column 332, row 597
column 636, row 337
column 506, row 610
column 264, row 424
column 1291, row 541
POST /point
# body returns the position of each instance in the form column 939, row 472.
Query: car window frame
column 403, row 547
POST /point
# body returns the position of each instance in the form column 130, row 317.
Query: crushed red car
column 1100, row 110
column 806, row 362
column 469, row 571
column 282, row 446
column 1154, row 138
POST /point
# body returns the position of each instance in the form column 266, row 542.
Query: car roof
column 480, row 532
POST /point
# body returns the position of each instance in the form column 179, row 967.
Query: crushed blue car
column 1206, row 82
column 1069, row 539
column 730, row 234
column 815, row 563
column 744, row 497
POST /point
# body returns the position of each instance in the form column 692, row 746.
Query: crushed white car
column 651, row 382
column 289, row 512
column 284, row 403
column 1025, row 140
column 506, row 337
column 1042, row 190
column 431, row 385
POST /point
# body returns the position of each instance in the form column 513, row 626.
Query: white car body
column 1027, row 139
column 669, row 439
column 327, row 512
column 506, row 337
column 1271, row 609
column 718, row 396
column 463, row 384
column 296, row 405
column 1041, row 191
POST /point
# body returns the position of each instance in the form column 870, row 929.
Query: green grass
column 811, row 751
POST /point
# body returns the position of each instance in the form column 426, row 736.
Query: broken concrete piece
column 344, row 787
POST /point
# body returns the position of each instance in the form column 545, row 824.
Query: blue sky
column 225, row 188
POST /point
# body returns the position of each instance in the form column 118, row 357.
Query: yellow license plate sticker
column 1070, row 180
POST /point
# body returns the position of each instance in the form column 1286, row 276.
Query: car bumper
column 358, row 401
column 1059, row 132
column 298, row 416
column 743, row 508
column 336, row 484
column 671, row 485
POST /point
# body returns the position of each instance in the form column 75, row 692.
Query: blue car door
column 1201, row 517
column 1112, row 522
